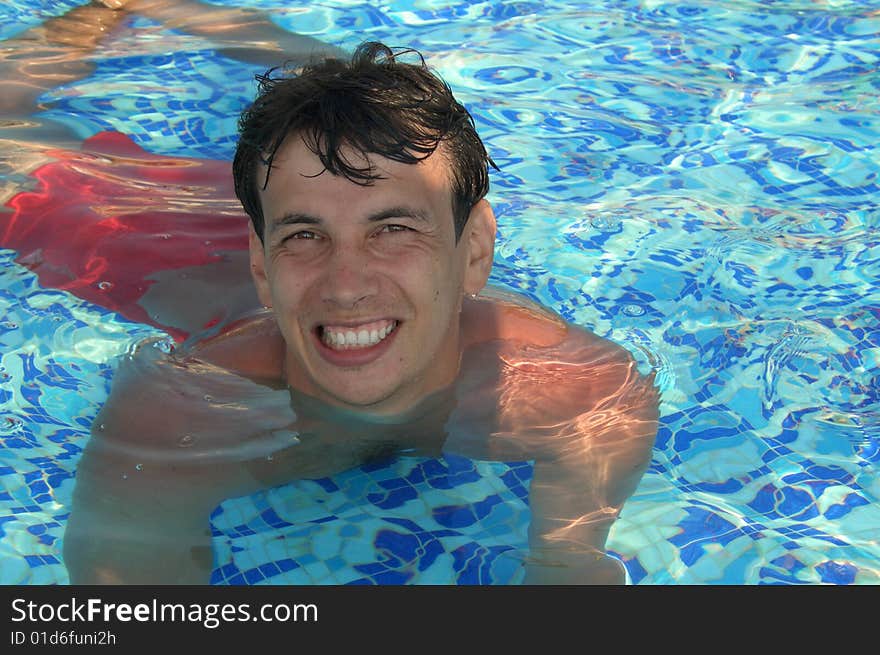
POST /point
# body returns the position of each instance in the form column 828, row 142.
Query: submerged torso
column 186, row 431
column 230, row 393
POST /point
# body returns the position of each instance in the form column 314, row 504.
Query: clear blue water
column 697, row 182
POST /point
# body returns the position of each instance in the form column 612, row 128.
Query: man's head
column 373, row 104
column 366, row 233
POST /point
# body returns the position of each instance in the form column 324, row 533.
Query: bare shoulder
column 553, row 367
column 252, row 347
column 509, row 317
column 175, row 437
column 189, row 400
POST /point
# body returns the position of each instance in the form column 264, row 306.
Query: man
column 371, row 243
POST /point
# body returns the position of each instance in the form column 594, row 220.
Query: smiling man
column 367, row 282
column 371, row 243
column 365, row 185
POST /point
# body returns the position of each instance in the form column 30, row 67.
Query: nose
column 348, row 277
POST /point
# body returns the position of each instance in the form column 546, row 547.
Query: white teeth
column 364, row 337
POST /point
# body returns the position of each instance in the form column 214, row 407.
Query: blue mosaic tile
column 834, row 573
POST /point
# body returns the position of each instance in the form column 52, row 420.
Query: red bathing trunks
column 103, row 222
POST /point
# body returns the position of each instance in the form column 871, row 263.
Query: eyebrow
column 299, row 218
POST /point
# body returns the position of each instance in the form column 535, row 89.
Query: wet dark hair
column 374, row 104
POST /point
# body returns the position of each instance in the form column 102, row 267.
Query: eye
column 306, row 235
column 394, row 227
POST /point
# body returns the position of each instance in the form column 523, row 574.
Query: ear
column 480, row 235
column 258, row 266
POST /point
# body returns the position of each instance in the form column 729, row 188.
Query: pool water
column 695, row 181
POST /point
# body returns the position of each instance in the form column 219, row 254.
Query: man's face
column 367, row 282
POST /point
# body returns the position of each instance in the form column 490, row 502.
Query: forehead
column 297, row 175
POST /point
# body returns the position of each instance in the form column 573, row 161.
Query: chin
column 368, row 401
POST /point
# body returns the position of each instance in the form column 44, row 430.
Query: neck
column 420, row 430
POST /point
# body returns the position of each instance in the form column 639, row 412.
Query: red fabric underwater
column 101, row 221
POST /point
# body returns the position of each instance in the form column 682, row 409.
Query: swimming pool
column 697, row 182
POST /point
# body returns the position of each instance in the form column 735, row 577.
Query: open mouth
column 358, row 337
